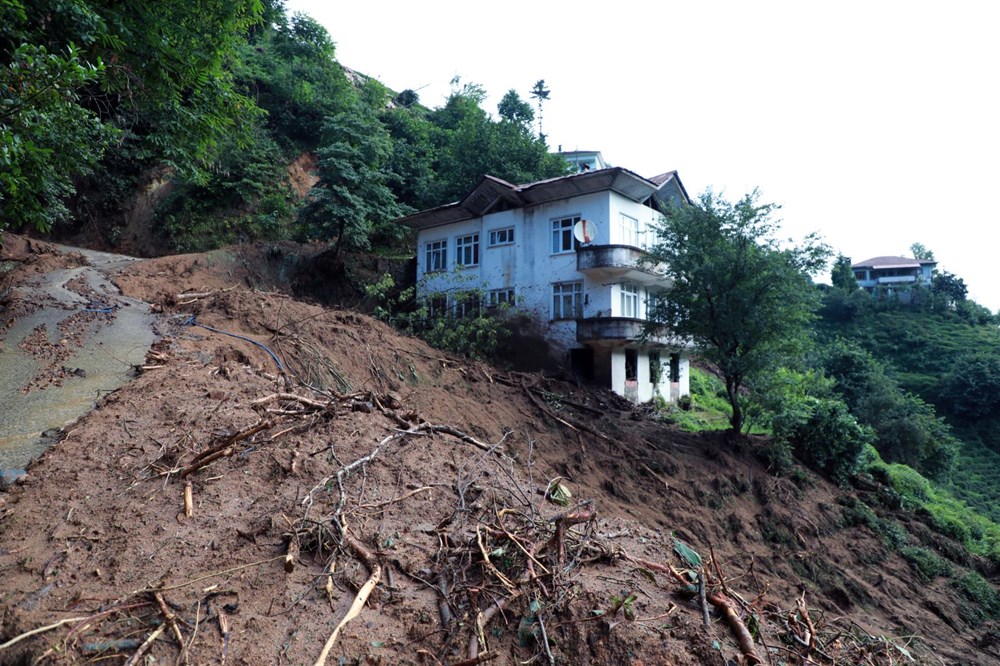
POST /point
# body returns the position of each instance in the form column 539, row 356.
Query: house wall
column 529, row 266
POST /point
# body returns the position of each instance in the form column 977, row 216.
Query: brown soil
column 97, row 529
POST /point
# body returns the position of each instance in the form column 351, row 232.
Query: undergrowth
column 709, row 408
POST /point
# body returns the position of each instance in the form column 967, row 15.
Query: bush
column 831, row 440
column 980, row 592
column 464, row 327
column 927, row 564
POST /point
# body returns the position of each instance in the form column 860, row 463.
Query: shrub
column 927, row 564
column 831, row 440
column 980, row 592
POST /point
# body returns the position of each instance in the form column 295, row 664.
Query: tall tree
column 352, row 198
column 541, row 94
column 742, row 297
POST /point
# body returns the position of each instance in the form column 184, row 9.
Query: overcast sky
column 873, row 123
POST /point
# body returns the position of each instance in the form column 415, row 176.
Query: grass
column 710, row 408
column 945, row 513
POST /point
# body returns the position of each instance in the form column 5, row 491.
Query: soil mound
column 278, row 467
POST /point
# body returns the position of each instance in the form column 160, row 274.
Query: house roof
column 492, row 191
column 893, row 262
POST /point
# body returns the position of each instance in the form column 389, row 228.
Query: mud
column 71, row 336
column 99, row 526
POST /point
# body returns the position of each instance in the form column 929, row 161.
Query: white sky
column 875, row 123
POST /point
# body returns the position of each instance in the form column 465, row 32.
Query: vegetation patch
column 927, row 564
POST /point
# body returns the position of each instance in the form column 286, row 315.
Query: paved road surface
column 113, row 343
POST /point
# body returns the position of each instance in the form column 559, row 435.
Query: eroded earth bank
column 230, row 506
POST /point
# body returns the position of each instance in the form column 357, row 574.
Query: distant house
column 568, row 253
column 893, row 276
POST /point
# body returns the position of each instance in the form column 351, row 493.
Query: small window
column 467, row 250
column 437, row 256
column 437, row 306
column 629, row 301
column 675, row 368
column 631, row 365
column 499, row 297
column 567, row 300
column 562, row 235
column 502, row 237
column 655, row 369
column 467, row 305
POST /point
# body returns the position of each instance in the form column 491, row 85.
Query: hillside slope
column 432, row 472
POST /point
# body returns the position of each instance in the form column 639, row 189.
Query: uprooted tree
column 744, row 298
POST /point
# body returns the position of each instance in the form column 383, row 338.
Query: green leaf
column 686, row 553
column 648, row 575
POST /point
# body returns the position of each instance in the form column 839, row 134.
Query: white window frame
column 567, row 300
column 499, row 297
column 466, row 305
column 629, row 300
column 436, row 256
column 467, row 250
column 499, row 237
column 563, row 240
column 631, row 231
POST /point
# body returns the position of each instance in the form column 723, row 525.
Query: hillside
column 375, row 457
column 948, row 357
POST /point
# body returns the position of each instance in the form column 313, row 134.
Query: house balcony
column 618, row 263
column 612, row 330
column 896, row 279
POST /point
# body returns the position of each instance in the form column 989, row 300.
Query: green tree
column 907, row 429
column 947, row 290
column 842, row 277
column 467, row 144
column 514, row 109
column 971, row 389
column 46, row 137
column 920, row 251
column 742, row 298
column 72, row 72
column 541, row 94
column 290, row 69
column 352, row 198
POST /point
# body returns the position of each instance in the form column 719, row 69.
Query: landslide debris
column 221, row 508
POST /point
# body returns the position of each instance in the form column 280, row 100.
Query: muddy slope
column 443, row 470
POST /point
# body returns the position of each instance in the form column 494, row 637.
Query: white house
column 586, row 297
column 893, row 276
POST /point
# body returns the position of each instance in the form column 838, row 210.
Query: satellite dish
column 585, row 231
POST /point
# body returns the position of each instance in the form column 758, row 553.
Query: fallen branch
column 171, row 621
column 223, row 449
column 291, row 397
column 352, row 612
column 397, row 499
column 291, row 554
column 743, row 637
column 134, row 659
column 41, row 630
column 479, row 636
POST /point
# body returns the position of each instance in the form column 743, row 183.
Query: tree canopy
column 741, row 296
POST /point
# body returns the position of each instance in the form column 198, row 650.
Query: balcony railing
column 617, row 329
column 619, row 262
